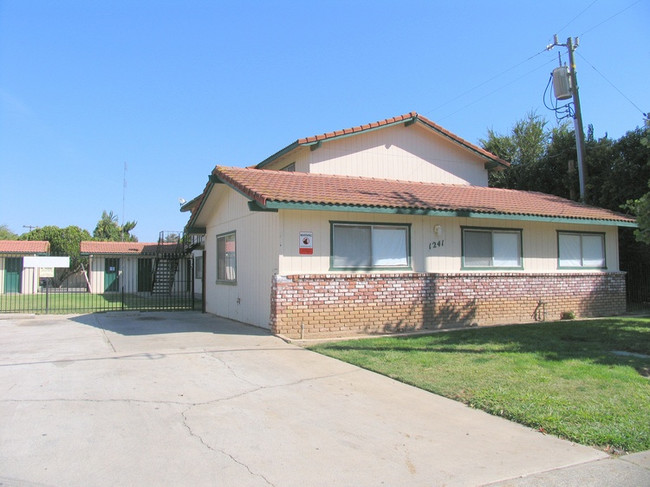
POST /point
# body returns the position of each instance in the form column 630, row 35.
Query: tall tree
column 523, row 148
column 109, row 230
column 640, row 205
column 63, row 241
column 7, row 234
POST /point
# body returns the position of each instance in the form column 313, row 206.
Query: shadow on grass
column 592, row 340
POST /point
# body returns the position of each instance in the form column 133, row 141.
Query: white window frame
column 493, row 262
column 581, row 259
column 379, row 253
column 228, row 273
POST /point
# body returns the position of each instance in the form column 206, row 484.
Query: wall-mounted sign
column 306, row 246
column 46, row 272
column 46, row 261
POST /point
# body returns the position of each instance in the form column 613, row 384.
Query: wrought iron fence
column 117, row 283
column 638, row 284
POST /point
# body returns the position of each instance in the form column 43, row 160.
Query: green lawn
column 561, row 378
column 86, row 302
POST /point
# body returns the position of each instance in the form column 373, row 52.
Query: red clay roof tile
column 266, row 186
column 122, row 248
column 411, row 116
column 24, row 247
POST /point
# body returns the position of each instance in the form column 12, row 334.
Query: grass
column 560, row 378
column 86, row 302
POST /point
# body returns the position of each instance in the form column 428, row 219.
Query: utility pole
column 577, row 112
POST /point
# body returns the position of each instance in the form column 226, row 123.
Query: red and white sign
column 306, row 246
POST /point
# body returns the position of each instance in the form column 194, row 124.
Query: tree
column 108, row 229
column 63, row 241
column 7, row 234
column 640, row 206
column 523, row 148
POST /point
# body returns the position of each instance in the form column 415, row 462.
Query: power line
column 574, row 18
column 613, row 86
column 484, row 82
column 427, row 112
column 498, row 89
column 610, row 18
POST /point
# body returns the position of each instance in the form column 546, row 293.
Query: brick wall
column 344, row 304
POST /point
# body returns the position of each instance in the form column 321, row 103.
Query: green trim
column 296, row 144
column 278, row 154
column 195, row 230
column 255, row 206
column 407, row 267
column 206, row 195
column 491, row 231
column 580, row 234
column 461, row 143
column 315, row 146
column 279, row 205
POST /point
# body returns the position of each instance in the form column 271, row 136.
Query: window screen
column 226, row 257
column 360, row 246
column 581, row 250
column 491, row 248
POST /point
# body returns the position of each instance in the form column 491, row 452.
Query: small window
column 198, row 267
column 362, row 246
column 289, row 168
column 487, row 248
column 581, row 250
column 226, row 257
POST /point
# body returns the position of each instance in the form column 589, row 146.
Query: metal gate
column 121, row 285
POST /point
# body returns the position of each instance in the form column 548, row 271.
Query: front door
column 111, row 275
column 13, row 272
column 144, row 275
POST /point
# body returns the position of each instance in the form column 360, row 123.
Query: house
column 14, row 277
column 136, row 267
column 391, row 226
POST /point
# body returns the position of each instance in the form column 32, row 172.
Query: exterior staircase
column 169, row 252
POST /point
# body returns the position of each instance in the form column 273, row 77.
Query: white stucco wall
column 539, row 241
column 412, row 153
column 257, row 237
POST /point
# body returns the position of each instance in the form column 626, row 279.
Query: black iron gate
column 114, row 284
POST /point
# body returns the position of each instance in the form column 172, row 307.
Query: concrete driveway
column 191, row 399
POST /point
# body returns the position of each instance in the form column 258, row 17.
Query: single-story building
column 136, row 267
column 391, row 226
column 14, row 277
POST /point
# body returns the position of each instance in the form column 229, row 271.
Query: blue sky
column 173, row 88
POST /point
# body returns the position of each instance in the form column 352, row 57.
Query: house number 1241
column 435, row 245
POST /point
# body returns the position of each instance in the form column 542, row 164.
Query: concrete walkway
column 190, row 399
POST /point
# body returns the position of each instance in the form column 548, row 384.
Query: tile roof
column 278, row 188
column 24, row 247
column 407, row 117
column 122, row 248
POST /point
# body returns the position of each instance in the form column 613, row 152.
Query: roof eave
column 278, row 154
column 463, row 213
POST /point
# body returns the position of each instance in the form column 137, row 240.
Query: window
column 484, row 247
column 198, row 267
column 226, row 257
column 586, row 250
column 289, row 168
column 363, row 246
